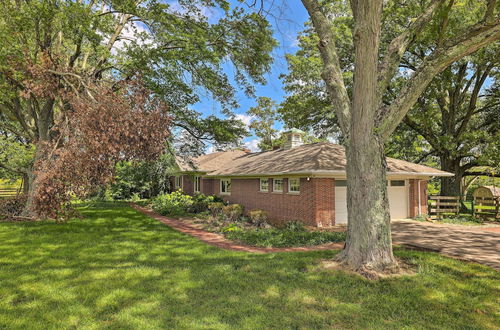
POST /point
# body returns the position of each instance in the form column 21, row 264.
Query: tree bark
column 368, row 245
column 28, row 207
column 26, row 184
column 451, row 186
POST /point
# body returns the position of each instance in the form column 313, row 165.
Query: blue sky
column 287, row 22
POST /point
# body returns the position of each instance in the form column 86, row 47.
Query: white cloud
column 246, row 119
column 252, row 145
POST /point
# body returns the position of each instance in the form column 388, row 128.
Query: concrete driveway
column 474, row 243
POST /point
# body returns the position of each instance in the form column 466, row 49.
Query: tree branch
column 476, row 37
column 480, row 79
column 398, row 46
column 429, row 136
column 190, row 131
column 332, row 74
column 13, row 170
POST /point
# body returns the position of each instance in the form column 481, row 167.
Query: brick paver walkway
column 476, row 244
column 223, row 243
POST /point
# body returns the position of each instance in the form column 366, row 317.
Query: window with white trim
column 178, row 182
column 278, row 185
column 264, row 185
column 294, row 185
column 197, row 184
column 225, row 186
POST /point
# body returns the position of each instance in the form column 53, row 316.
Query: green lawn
column 120, row 269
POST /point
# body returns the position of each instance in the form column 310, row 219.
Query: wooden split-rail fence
column 486, row 207
column 440, row 205
column 8, row 192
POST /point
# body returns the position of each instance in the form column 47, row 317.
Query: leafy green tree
column 15, row 156
column 174, row 48
column 453, row 124
column 368, row 113
column 144, row 178
column 458, row 116
column 264, row 118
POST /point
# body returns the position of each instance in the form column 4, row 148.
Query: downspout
column 419, row 199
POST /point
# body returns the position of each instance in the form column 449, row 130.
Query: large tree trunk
column 26, row 184
column 30, row 189
column 369, row 244
column 451, row 186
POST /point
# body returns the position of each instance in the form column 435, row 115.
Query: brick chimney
column 293, row 138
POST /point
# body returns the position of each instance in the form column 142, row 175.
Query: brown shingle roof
column 210, row 162
column 316, row 158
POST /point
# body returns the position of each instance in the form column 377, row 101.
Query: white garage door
column 340, row 202
column 398, row 200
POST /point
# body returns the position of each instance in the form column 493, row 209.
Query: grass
column 120, row 269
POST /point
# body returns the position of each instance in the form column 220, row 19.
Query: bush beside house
column 229, row 220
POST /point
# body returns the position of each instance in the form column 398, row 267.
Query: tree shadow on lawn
column 118, row 268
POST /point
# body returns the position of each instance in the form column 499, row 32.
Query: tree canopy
column 175, row 47
column 383, row 34
column 52, row 49
column 454, row 123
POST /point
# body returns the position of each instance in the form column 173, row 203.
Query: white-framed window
column 278, row 185
column 294, row 185
column 225, row 186
column 178, row 182
column 197, row 184
column 264, row 185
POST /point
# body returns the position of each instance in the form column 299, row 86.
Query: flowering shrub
column 176, row 203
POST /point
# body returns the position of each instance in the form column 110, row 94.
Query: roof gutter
column 328, row 173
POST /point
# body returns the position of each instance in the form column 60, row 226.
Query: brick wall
column 209, row 186
column 324, row 203
column 314, row 205
column 413, row 196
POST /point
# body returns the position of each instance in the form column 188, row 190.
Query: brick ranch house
column 305, row 182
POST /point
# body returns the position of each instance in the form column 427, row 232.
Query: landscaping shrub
column 274, row 237
column 175, row 203
column 295, row 226
column 215, row 208
column 201, row 202
column 233, row 227
column 258, row 218
column 232, row 212
column 135, row 198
